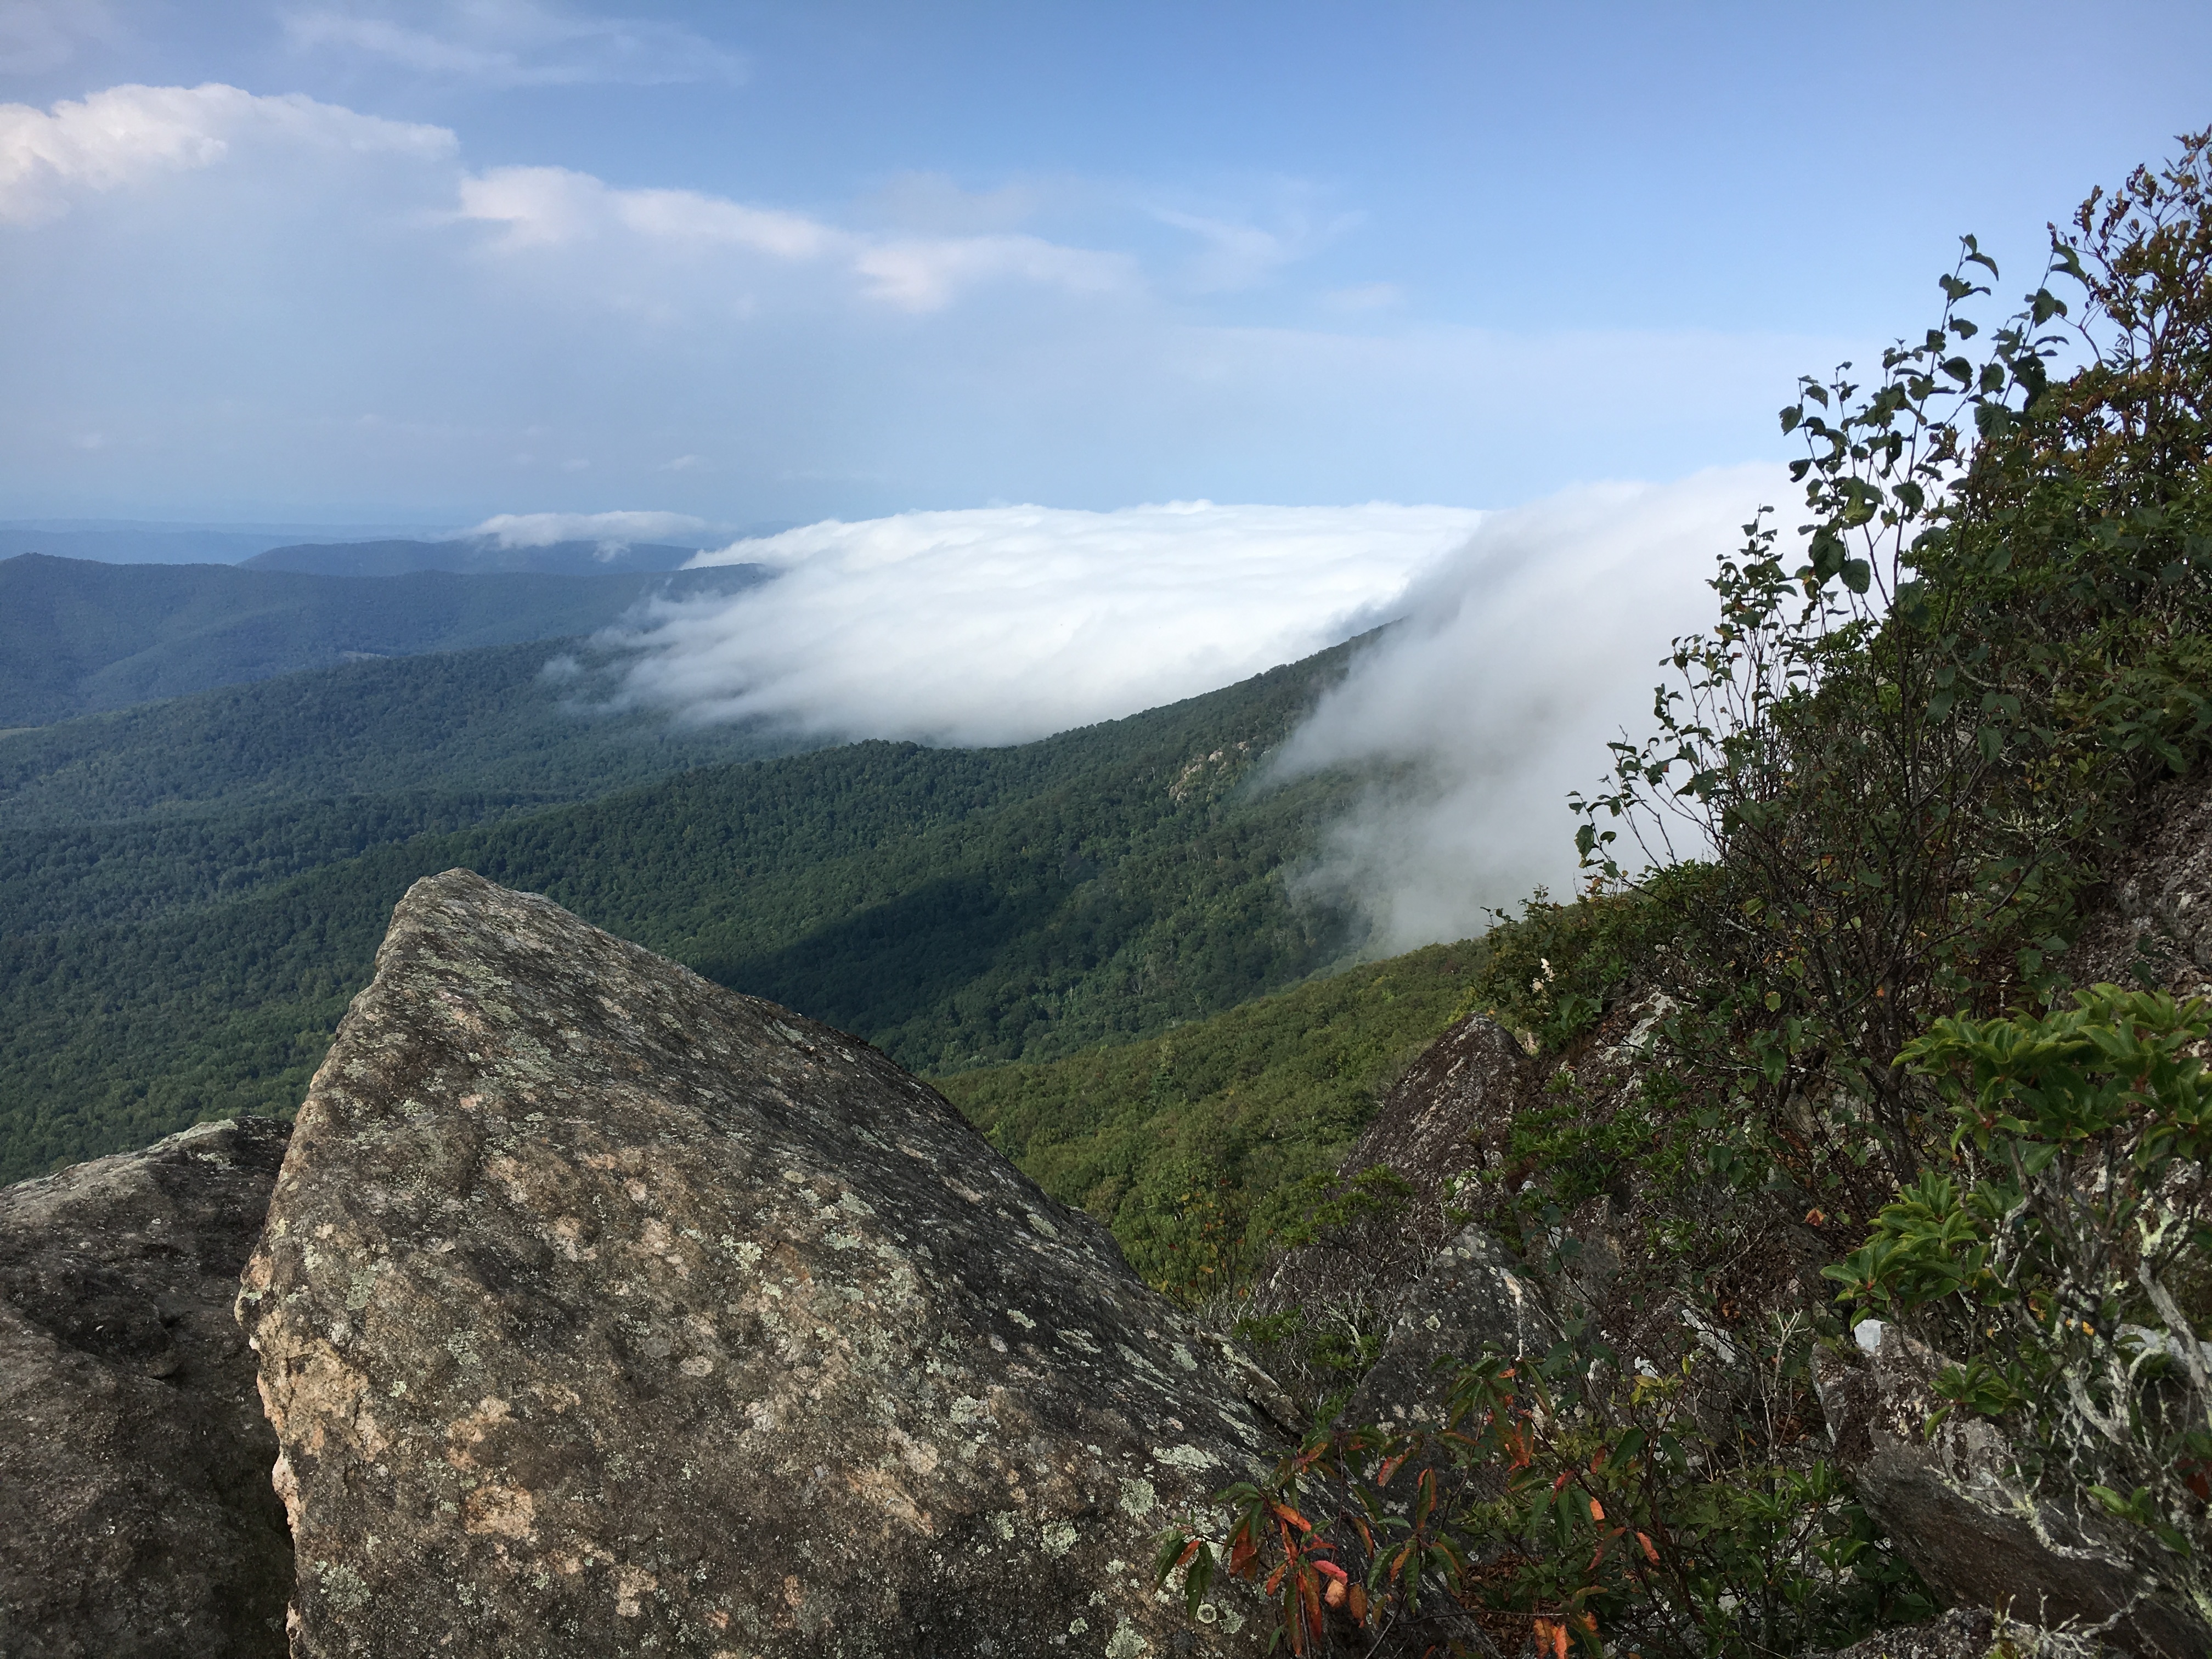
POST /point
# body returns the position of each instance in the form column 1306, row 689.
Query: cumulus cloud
column 611, row 530
column 132, row 134
column 515, row 43
column 1519, row 657
column 999, row 624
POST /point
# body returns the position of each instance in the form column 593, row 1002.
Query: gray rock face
column 1441, row 1123
column 135, row 1517
column 1960, row 1513
column 603, row 1311
column 1474, row 1295
column 2154, row 920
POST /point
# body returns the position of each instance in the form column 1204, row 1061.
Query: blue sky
column 430, row 262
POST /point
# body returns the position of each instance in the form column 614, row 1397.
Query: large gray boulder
column 604, row 1311
column 1957, row 1508
column 135, row 1517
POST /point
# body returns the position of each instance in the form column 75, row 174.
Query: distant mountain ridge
column 78, row 636
column 469, row 555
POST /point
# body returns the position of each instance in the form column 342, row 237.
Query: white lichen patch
column 1195, row 1459
column 1126, row 1643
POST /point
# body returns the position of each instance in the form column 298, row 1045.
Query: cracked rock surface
column 135, row 1517
column 1954, row 1501
column 602, row 1310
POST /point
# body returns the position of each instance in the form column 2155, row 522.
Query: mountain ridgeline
column 77, row 636
column 187, row 913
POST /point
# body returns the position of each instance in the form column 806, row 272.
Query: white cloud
column 1520, row 656
column 917, row 275
column 1000, row 624
column 611, row 530
column 545, row 207
column 515, row 43
column 132, row 134
column 254, row 295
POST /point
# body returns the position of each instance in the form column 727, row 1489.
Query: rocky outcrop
column 1473, row 1297
column 602, row 1310
column 1958, row 1509
column 1444, row 1124
column 135, row 1517
column 2153, row 920
column 1442, row 1127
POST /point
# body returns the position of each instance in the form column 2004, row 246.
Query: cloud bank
column 1000, row 624
column 1524, row 641
column 1522, row 654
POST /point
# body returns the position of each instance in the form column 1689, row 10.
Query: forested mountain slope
column 126, row 815
column 77, row 635
column 1205, row 1148
column 955, row 907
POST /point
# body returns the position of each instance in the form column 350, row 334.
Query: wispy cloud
column 515, row 43
column 611, row 530
column 541, row 208
column 1239, row 251
column 549, row 207
column 999, row 624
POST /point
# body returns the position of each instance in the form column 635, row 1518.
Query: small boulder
column 135, row 1517
column 602, row 1310
column 1958, row 1509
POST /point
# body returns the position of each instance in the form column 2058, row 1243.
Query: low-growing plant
column 2059, row 1258
column 1569, row 1501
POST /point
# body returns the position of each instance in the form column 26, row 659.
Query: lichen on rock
column 601, row 1309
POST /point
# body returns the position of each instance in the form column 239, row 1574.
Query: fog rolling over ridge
column 1520, row 654
column 1525, row 639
